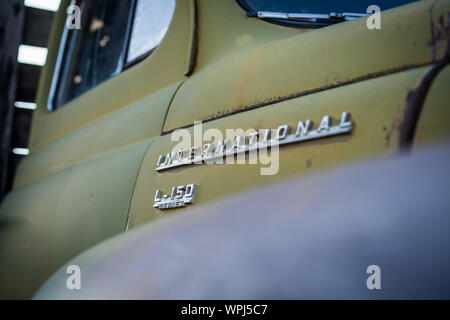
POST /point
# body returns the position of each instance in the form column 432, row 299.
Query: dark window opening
column 114, row 34
column 95, row 52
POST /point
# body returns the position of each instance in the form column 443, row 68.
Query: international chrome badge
column 256, row 141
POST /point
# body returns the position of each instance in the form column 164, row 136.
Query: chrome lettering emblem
column 179, row 197
column 210, row 152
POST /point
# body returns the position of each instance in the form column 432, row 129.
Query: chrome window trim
column 57, row 69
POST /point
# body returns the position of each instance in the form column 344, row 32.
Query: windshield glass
column 322, row 7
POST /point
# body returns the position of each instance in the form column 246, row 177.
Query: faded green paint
column 377, row 107
column 91, row 173
column 75, row 188
column 275, row 65
column 165, row 67
column 115, row 130
column 47, row 222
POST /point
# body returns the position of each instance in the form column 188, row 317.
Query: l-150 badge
column 179, row 197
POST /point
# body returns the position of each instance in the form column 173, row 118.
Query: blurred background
column 24, row 32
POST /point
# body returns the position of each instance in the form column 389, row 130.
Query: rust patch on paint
column 416, row 97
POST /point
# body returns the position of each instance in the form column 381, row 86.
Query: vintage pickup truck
column 165, row 132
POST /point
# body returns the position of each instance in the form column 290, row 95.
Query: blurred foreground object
column 314, row 239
